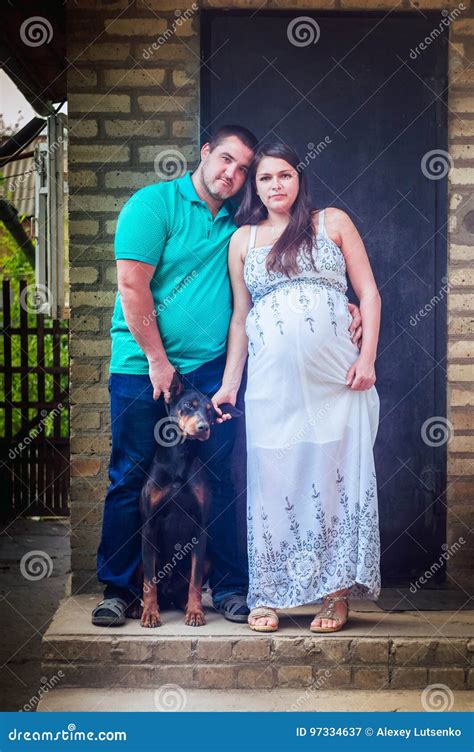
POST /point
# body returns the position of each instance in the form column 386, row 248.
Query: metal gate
column 34, row 408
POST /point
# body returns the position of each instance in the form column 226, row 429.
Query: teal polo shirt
column 169, row 226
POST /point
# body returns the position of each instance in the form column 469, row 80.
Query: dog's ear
column 176, row 386
column 226, row 407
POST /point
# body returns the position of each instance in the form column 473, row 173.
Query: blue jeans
column 134, row 414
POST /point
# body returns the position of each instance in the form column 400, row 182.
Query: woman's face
column 277, row 184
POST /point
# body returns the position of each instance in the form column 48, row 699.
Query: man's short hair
column 225, row 131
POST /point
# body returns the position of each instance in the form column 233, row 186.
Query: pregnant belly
column 303, row 318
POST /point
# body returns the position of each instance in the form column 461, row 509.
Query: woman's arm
column 365, row 287
column 237, row 342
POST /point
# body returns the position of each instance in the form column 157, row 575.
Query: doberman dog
column 175, row 503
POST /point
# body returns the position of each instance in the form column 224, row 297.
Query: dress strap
column 321, row 227
column 252, row 236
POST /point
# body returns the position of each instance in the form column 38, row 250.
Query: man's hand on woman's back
column 355, row 327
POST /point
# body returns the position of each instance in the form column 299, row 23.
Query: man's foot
column 263, row 619
column 333, row 614
column 234, row 608
column 110, row 612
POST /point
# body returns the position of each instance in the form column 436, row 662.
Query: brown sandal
column 259, row 613
column 328, row 613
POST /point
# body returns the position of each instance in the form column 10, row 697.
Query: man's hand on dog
column 224, row 395
column 161, row 376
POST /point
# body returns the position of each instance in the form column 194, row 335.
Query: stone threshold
column 377, row 650
column 366, row 619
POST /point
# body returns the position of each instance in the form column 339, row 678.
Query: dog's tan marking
column 189, row 424
column 157, row 494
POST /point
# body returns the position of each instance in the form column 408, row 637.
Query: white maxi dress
column 312, row 509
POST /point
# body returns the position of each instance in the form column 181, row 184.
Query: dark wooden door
column 365, row 106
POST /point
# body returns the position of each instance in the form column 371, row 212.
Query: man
column 173, row 311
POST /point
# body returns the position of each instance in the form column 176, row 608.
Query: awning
column 33, row 51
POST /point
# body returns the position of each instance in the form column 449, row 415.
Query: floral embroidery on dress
column 276, row 313
column 255, row 315
column 301, row 301
column 330, row 276
column 329, row 262
column 315, row 562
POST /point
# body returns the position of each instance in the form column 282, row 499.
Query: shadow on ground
column 31, row 586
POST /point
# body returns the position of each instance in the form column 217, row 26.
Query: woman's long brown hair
column 299, row 234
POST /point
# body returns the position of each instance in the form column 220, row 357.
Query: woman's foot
column 333, row 614
column 263, row 619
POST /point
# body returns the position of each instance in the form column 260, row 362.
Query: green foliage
column 14, row 266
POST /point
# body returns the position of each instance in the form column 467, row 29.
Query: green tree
column 15, row 267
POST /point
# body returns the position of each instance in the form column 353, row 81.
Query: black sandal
column 234, row 608
column 110, row 612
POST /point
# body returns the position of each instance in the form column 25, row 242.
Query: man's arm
column 133, row 278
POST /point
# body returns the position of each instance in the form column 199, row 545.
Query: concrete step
column 206, row 700
column 377, row 650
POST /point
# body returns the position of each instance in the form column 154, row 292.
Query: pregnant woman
column 312, row 409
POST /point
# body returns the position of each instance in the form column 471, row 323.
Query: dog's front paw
column 150, row 617
column 195, row 617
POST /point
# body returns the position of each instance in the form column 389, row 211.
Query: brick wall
column 128, row 101
column 460, row 368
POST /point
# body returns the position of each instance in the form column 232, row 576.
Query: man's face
column 224, row 169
